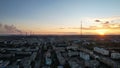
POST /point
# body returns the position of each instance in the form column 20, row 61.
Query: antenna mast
column 81, row 29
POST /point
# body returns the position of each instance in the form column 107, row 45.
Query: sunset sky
column 61, row 17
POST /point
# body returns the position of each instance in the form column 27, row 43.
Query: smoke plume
column 9, row 29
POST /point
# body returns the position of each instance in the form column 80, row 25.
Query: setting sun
column 101, row 31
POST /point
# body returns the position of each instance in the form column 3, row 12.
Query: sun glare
column 101, row 31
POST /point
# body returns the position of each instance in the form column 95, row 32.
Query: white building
column 84, row 56
column 115, row 55
column 101, row 51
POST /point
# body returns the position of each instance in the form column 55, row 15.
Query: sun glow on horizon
column 101, row 31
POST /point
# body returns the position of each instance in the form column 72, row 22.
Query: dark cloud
column 107, row 22
column 103, row 23
column 97, row 21
column 106, row 25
